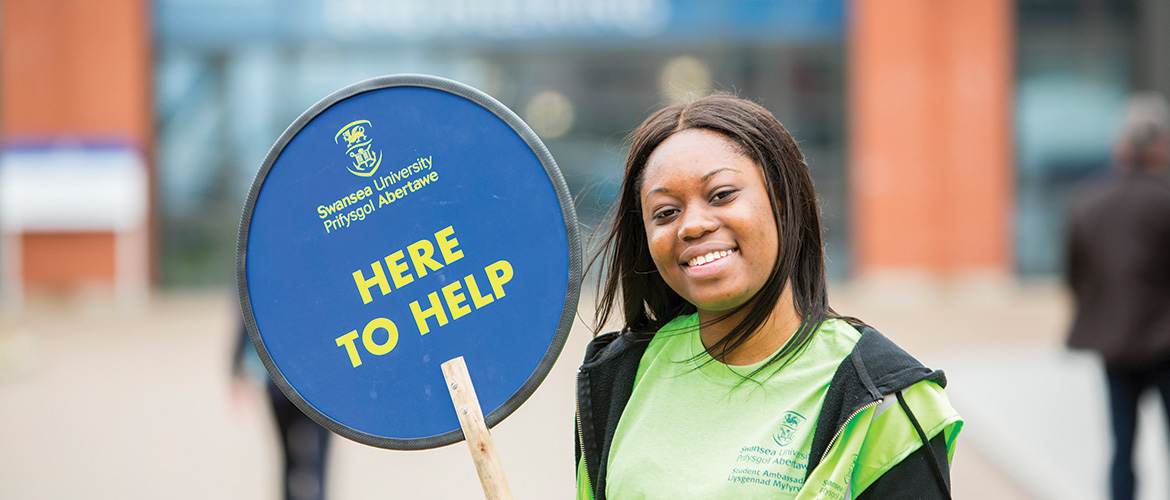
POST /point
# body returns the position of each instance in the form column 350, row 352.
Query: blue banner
column 608, row 21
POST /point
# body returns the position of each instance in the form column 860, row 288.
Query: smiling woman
column 710, row 230
column 714, row 255
column 720, row 137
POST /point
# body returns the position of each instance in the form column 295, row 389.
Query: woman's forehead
column 687, row 142
column 693, row 156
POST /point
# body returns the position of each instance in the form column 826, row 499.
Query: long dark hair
column 629, row 275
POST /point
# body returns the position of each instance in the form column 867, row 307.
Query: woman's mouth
column 709, row 258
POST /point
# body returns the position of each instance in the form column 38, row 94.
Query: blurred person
column 731, row 376
column 1118, row 267
column 304, row 444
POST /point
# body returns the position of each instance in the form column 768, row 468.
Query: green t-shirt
column 696, row 429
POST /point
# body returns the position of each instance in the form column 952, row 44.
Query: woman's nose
column 695, row 223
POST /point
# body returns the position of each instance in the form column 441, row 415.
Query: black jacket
column 876, row 366
column 1119, row 270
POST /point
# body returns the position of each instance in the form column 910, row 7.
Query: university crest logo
column 360, row 148
column 788, row 426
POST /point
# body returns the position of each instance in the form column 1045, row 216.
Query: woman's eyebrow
column 713, row 172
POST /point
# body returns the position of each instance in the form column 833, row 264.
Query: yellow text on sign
column 458, row 304
column 497, row 274
column 421, row 257
column 368, row 340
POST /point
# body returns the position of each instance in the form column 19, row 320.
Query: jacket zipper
column 581, row 439
column 842, row 428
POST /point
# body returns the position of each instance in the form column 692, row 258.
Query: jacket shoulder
column 610, row 345
column 874, row 368
column 889, row 367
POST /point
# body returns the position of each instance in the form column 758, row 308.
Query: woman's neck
column 761, row 344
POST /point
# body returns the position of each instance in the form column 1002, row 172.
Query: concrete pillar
column 930, row 157
column 75, row 98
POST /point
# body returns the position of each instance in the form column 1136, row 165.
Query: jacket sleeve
column 914, row 476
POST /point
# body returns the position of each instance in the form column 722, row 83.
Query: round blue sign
column 397, row 224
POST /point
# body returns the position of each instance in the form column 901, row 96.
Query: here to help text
column 422, row 259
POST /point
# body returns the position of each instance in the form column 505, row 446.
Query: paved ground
column 95, row 403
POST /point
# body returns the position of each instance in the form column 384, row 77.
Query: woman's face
column 709, row 224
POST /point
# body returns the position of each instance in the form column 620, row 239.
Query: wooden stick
column 475, row 431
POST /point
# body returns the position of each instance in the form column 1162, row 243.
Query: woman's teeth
column 710, row 257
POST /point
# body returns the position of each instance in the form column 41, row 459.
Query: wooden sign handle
column 475, row 431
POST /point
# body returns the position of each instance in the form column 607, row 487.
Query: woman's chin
column 714, row 307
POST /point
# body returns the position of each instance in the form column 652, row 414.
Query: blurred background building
column 940, row 134
column 944, row 137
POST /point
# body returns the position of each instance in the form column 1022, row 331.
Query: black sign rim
column 568, row 311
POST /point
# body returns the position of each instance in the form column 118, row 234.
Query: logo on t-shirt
column 791, row 423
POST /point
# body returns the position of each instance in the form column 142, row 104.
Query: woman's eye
column 664, row 214
column 722, row 195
